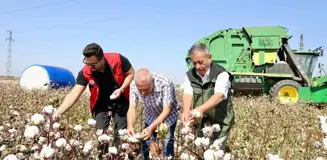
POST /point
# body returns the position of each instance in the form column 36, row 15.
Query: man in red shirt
column 108, row 76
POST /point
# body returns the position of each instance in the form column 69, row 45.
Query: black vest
column 223, row 112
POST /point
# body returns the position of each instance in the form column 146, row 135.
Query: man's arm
column 133, row 100
column 221, row 90
column 71, row 98
column 167, row 100
column 187, row 95
column 74, row 94
column 128, row 71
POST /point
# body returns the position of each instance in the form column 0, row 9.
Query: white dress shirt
column 222, row 83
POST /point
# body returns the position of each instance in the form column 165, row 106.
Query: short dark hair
column 93, row 49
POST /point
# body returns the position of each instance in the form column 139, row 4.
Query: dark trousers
column 118, row 115
column 168, row 142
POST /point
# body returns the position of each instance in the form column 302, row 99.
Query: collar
column 156, row 87
column 205, row 75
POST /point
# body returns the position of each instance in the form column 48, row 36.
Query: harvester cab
column 262, row 61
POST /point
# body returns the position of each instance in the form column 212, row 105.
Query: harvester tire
column 285, row 87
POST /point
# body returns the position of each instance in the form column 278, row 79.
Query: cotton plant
column 271, row 156
column 156, row 146
column 323, row 127
column 207, row 151
column 43, row 138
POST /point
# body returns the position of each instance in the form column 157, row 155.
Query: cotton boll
column 47, row 152
column 56, row 126
column 324, row 141
column 57, row 135
column 68, row 147
column 12, row 130
column 317, row 144
column 99, row 132
column 88, row 146
column 37, row 119
column 21, row 148
column 35, row 147
column 227, row 156
column 132, row 140
column 48, row 110
column 189, row 137
column 20, row 156
column 209, row 155
column 162, row 130
column 36, row 155
column 10, row 157
column 31, row 131
column 42, row 140
column 7, row 125
column 113, row 150
column 104, row 138
column 78, row 128
column 2, row 128
column 15, row 113
column 187, row 156
column 207, row 131
column 2, row 148
column 74, row 142
column 322, row 119
column 215, row 128
column 125, row 146
column 218, row 142
column 122, row 132
column 61, row 142
column 91, row 122
column 186, row 130
column 219, row 153
column 273, row 157
column 196, row 114
column 197, row 142
column 205, row 141
column 113, row 96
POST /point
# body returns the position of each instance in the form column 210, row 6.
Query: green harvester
column 262, row 61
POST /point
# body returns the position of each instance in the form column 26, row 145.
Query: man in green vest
column 207, row 90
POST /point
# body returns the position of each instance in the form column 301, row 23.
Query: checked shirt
column 163, row 93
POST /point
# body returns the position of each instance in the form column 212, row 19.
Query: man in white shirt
column 208, row 87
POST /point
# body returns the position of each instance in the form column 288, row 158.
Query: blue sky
column 152, row 34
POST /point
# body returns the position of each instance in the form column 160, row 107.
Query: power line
column 36, row 7
column 73, row 26
column 10, row 39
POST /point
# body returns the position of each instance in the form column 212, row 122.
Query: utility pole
column 301, row 43
column 10, row 39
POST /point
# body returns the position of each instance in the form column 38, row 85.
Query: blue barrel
column 46, row 77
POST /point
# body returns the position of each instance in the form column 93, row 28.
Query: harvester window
column 308, row 62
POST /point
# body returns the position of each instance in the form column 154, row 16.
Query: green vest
column 223, row 113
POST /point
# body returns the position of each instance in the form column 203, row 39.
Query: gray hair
column 140, row 75
column 198, row 47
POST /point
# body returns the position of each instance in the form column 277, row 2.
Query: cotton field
column 263, row 130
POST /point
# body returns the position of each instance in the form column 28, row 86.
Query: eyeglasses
column 91, row 64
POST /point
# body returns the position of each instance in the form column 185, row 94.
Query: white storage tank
column 46, row 77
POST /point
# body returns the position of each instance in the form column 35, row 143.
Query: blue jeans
column 168, row 142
